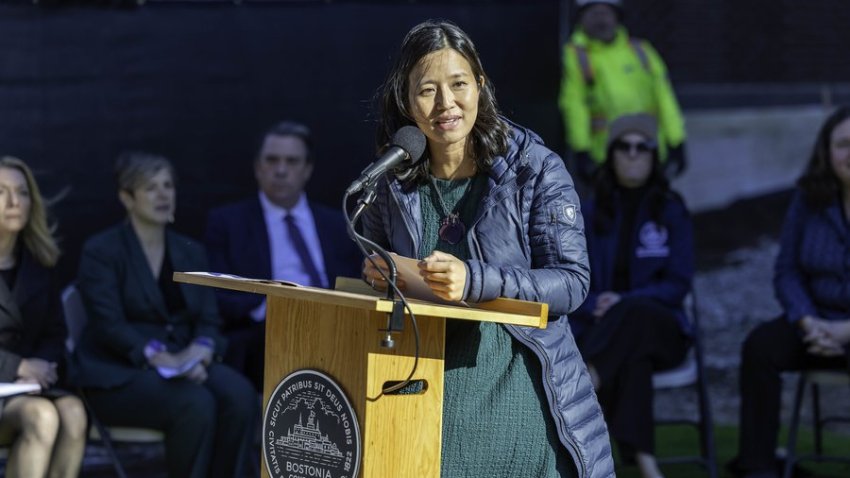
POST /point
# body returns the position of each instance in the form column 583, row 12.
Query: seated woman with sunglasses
column 640, row 244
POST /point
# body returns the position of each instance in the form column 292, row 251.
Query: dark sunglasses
column 633, row 148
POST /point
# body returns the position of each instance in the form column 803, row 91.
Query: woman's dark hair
column 819, row 183
column 489, row 136
column 606, row 186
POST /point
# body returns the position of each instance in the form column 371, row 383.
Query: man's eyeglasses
column 635, row 148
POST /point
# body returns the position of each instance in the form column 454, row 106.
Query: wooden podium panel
column 338, row 333
column 401, row 434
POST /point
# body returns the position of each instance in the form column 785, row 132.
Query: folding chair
column 691, row 373
column 75, row 319
column 815, row 378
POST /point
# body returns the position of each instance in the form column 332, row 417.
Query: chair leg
column 791, row 451
column 706, row 425
column 105, row 438
column 816, row 419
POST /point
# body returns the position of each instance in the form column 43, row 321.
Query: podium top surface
column 354, row 293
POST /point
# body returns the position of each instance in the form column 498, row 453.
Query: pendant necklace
column 452, row 229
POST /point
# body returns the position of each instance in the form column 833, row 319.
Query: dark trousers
column 245, row 351
column 772, row 348
column 635, row 338
column 208, row 428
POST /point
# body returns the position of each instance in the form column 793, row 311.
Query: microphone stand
column 366, row 200
column 395, row 319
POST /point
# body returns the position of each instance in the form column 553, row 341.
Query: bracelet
column 204, row 341
column 154, row 347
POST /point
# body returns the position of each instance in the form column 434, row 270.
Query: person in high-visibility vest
column 608, row 74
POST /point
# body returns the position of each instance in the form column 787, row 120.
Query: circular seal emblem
column 310, row 429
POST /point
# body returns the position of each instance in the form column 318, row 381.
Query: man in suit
column 278, row 234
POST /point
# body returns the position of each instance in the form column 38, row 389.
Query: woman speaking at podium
column 491, row 212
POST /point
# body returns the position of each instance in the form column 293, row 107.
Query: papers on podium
column 245, row 279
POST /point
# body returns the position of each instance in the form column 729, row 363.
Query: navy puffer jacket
column 527, row 242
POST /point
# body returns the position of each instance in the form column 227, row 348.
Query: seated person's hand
column 838, row 330
column 604, row 302
column 822, row 336
column 196, row 352
column 824, row 346
column 165, row 359
column 38, row 370
column 372, row 277
column 197, row 374
column 445, row 274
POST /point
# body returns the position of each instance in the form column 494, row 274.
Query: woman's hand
column 198, row 352
column 824, row 337
column 165, row 359
column 604, row 302
column 445, row 274
column 372, row 277
column 838, row 330
column 38, row 370
column 197, row 374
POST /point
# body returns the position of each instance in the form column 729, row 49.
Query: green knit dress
column 496, row 420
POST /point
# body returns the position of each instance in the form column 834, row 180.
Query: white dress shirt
column 285, row 262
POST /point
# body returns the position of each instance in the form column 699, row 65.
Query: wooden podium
column 338, row 332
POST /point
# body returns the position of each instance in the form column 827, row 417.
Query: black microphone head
column 411, row 139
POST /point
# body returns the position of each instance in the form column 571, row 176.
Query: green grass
column 682, row 440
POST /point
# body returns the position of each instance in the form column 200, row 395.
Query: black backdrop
column 198, row 83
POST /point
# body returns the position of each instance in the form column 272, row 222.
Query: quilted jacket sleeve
column 789, row 279
column 559, row 273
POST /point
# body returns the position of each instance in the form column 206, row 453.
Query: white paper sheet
column 415, row 285
column 8, row 389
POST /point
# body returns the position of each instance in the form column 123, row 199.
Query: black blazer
column 31, row 321
column 238, row 243
column 126, row 309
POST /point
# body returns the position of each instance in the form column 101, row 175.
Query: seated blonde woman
column 48, row 428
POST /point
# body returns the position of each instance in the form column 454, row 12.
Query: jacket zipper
column 547, row 366
column 407, row 220
column 535, row 347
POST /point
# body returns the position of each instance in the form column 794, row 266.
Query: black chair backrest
column 75, row 315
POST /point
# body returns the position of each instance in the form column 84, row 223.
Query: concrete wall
column 741, row 153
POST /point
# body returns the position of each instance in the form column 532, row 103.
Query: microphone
column 407, row 144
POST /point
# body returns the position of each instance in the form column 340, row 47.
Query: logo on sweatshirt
column 653, row 241
column 310, row 429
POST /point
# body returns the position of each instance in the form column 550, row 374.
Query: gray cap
column 642, row 123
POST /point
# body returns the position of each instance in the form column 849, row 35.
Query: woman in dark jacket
column 812, row 283
column 640, row 243
column 491, row 213
column 150, row 353
column 49, row 427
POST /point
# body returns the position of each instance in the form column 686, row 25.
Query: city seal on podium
column 310, row 429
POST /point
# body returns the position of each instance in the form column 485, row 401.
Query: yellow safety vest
column 603, row 81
